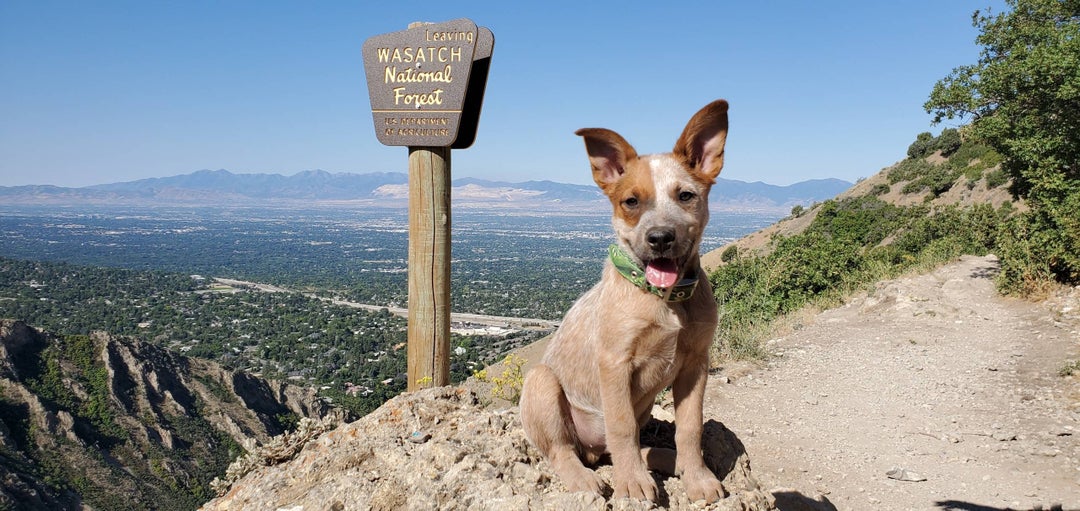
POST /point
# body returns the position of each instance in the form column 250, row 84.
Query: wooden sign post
column 426, row 86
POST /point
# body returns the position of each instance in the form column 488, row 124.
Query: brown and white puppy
column 628, row 337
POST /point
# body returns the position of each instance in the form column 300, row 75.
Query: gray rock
column 903, row 474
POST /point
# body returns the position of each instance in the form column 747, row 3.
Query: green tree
column 948, row 141
column 922, row 145
column 1023, row 99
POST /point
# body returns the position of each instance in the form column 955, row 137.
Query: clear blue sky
column 107, row 91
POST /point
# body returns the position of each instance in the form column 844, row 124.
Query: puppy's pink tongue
column 662, row 272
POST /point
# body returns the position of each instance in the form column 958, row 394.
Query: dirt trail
column 934, row 374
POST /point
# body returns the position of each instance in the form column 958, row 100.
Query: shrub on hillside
column 971, row 230
column 922, row 146
column 969, row 159
column 948, row 141
column 908, row 170
column 996, row 178
column 941, row 179
column 746, row 303
column 729, row 253
column 861, row 221
column 813, row 265
column 926, row 144
column 880, row 189
column 1024, row 250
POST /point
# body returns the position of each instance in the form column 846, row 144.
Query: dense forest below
column 356, row 358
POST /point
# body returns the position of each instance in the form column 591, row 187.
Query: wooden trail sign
column 426, row 86
column 421, row 84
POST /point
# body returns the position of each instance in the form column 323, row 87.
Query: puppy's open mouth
column 662, row 272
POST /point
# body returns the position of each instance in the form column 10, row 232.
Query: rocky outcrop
column 440, row 449
column 100, row 422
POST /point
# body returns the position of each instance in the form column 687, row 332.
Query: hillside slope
column 110, row 423
column 970, row 177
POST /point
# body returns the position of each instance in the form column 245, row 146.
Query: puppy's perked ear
column 701, row 145
column 608, row 154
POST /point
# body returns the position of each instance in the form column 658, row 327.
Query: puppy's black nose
column 660, row 238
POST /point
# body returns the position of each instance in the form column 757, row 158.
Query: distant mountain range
column 389, row 189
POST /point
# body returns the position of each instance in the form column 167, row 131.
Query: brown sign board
column 474, row 92
column 422, row 85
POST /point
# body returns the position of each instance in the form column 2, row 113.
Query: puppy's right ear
column 608, row 154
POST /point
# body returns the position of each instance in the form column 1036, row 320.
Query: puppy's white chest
column 656, row 348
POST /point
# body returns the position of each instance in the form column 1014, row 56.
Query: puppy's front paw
column 586, row 481
column 577, row 477
column 638, row 484
column 703, row 485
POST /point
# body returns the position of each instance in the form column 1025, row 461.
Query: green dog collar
column 626, row 266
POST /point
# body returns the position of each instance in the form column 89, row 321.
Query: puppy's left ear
column 701, row 145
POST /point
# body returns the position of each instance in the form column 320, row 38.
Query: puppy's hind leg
column 548, row 424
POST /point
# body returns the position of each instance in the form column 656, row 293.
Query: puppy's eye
column 687, row 196
column 630, row 202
